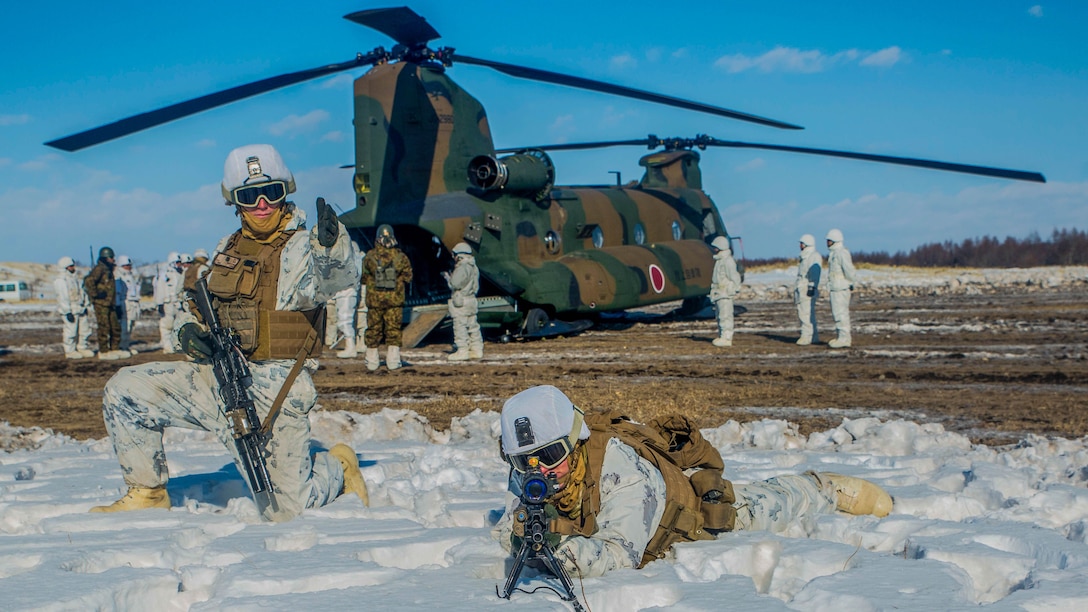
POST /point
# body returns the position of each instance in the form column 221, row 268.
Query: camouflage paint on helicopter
column 419, row 138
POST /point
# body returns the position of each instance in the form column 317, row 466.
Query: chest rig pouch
column 243, row 282
column 385, row 277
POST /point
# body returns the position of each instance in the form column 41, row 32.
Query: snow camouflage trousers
column 141, row 401
column 778, row 503
column 840, row 311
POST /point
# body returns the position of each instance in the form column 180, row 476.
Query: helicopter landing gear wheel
column 535, row 321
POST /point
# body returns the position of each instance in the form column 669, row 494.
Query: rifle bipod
column 543, row 552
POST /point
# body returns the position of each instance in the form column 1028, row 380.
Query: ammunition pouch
column 385, row 278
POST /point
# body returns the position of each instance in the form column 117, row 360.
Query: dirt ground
column 994, row 367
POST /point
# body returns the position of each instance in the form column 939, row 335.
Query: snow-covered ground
column 972, row 525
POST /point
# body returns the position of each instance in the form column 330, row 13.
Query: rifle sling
column 300, row 359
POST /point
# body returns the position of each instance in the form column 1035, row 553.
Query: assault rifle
column 534, row 540
column 234, row 378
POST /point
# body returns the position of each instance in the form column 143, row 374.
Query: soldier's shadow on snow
column 215, row 488
column 778, row 338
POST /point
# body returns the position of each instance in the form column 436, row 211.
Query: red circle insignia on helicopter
column 657, row 278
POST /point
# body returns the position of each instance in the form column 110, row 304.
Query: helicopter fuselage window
column 598, row 237
column 640, row 234
column 551, row 242
column 677, row 231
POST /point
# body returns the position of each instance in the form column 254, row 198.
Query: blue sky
column 1000, row 83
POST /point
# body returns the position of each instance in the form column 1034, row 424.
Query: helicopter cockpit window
column 677, row 231
column 551, row 242
column 640, row 234
column 598, row 237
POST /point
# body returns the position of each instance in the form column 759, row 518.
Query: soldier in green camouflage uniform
column 386, row 272
column 102, row 288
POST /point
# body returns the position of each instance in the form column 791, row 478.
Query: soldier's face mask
column 549, row 455
column 274, row 192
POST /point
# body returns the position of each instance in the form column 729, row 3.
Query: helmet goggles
column 552, row 454
column 247, row 196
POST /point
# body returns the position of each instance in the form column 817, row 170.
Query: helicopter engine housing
column 531, row 173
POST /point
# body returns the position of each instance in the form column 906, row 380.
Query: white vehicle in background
column 14, row 291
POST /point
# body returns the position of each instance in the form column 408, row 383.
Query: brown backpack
column 699, row 501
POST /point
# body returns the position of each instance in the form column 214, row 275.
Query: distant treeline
column 1066, row 247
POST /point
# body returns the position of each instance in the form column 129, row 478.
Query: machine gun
column 234, row 378
column 532, row 514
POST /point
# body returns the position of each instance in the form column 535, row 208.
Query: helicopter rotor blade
column 1017, row 175
column 703, row 141
column 402, row 24
column 556, row 78
column 166, row 114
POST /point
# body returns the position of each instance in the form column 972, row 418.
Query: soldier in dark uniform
column 386, row 273
column 102, row 288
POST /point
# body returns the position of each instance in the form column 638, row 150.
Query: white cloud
column 14, row 119
column 333, row 136
column 883, row 58
column 681, row 53
column 5, row 161
column 623, row 61
column 339, row 81
column 292, row 125
column 1036, row 11
column 206, row 143
column 39, row 163
column 790, row 59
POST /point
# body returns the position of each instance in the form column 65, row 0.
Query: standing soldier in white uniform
column 840, row 274
column 168, row 295
column 72, row 304
column 464, row 283
column 807, row 289
column 724, row 286
column 129, row 300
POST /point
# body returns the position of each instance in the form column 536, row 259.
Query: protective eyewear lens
column 547, row 457
column 274, row 192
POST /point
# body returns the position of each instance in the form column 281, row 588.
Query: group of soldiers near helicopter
column 370, row 313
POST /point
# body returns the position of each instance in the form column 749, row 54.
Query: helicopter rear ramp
column 424, row 319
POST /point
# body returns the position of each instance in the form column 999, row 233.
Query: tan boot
column 86, row 352
column 459, row 355
column 855, row 495
column 138, row 498
column 353, row 478
column 722, row 341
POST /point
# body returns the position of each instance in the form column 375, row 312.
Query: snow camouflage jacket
column 464, row 283
column 840, row 268
column 100, row 284
column 383, row 266
column 310, row 274
column 168, row 287
column 809, row 267
column 725, row 282
column 71, row 296
column 637, row 501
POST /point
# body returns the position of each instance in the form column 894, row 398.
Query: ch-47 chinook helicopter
column 426, row 164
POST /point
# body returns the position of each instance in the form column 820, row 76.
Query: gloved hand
column 71, row 317
column 101, row 295
column 521, row 515
column 194, row 341
column 120, row 311
column 851, row 287
column 162, row 310
column 811, row 291
column 328, row 227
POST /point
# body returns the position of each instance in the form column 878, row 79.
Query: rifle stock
column 234, row 378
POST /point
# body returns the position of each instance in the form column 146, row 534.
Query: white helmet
column 123, row 260
column 462, row 248
column 185, row 258
column 808, row 240
column 834, row 235
column 65, row 261
column 722, row 244
column 253, row 165
column 200, row 253
column 536, row 417
column 173, row 257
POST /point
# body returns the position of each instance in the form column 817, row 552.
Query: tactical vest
column 672, row 444
column 192, row 274
column 385, row 277
column 243, row 281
